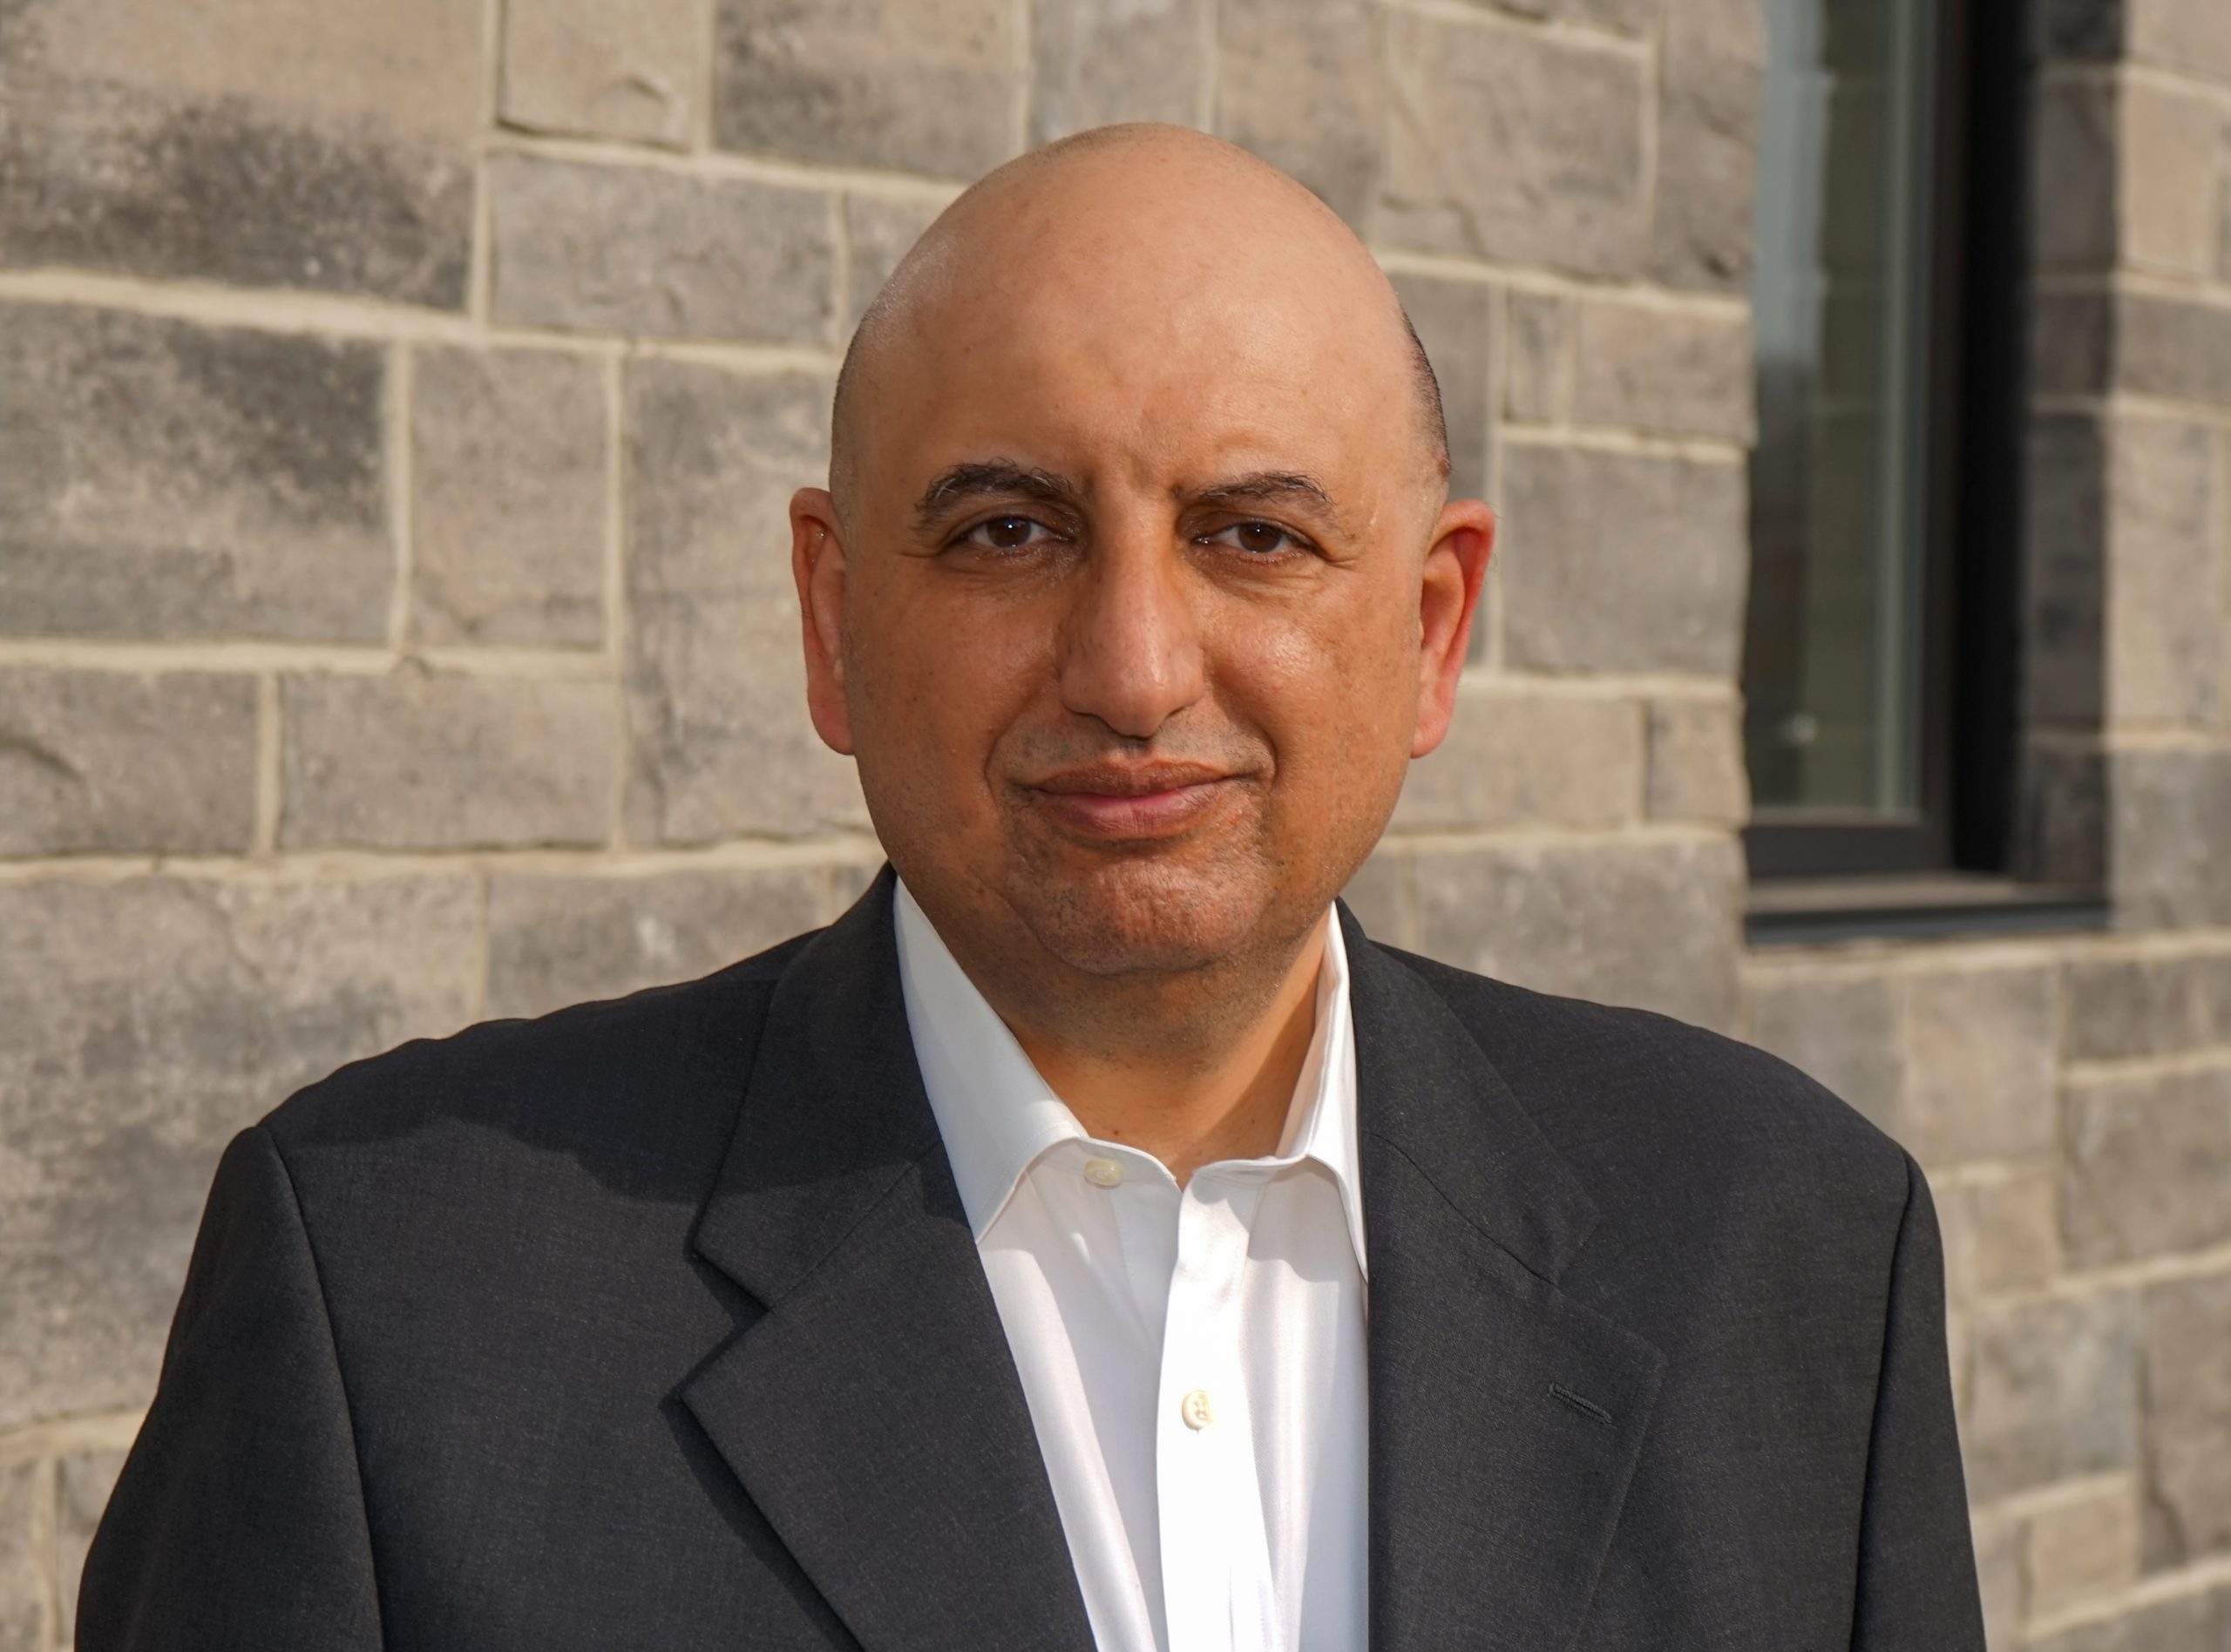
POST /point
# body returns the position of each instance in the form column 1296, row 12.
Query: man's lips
column 1130, row 801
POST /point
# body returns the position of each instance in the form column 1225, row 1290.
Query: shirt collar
column 997, row 1116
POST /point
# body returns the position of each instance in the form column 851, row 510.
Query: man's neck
column 1189, row 1089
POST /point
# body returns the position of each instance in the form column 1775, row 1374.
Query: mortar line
column 722, row 163
column 617, row 617
column 2194, row 1578
column 402, row 393
column 311, row 864
column 1559, row 30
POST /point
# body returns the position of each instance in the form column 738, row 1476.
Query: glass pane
column 1831, row 667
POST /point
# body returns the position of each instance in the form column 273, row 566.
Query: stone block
column 588, row 66
column 925, row 87
column 2000, row 1559
column 2125, row 1006
column 1579, row 598
column 2064, row 552
column 2198, row 1621
column 2072, row 343
column 1563, row 917
column 1696, row 771
column 2172, row 813
column 1710, row 66
column 2073, row 171
column 1506, row 145
column 2063, row 816
column 24, row 1518
column 2189, row 37
column 508, row 487
column 290, row 144
column 1378, row 894
column 2171, row 346
column 119, row 762
column 2083, row 1548
column 169, row 480
column 1663, row 372
column 1096, row 62
column 2165, row 636
column 2172, row 152
column 1518, row 759
column 2149, row 1166
column 149, row 1020
column 2001, row 1234
column 1981, row 1063
column 85, row 1481
column 418, row 761
column 1451, row 319
column 719, row 738
column 645, row 250
column 1291, row 88
column 2212, row 994
column 2188, row 1421
column 554, row 941
column 1538, row 365
column 2054, row 1393
column 879, row 231
column 1841, row 1029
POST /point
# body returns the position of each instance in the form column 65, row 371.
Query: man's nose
column 1131, row 651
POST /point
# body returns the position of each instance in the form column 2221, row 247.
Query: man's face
column 1131, row 599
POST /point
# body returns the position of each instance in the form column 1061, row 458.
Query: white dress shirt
column 1193, row 1360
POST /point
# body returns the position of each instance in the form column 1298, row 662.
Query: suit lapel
column 1506, row 1415
column 874, row 1413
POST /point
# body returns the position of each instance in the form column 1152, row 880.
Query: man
column 1092, row 1236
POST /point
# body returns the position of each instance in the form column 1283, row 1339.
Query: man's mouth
column 1118, row 801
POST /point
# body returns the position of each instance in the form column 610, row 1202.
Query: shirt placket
column 1216, row 1567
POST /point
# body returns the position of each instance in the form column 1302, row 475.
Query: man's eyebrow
column 962, row 482
column 1261, row 485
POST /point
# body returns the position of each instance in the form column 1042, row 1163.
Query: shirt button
column 1194, row 1408
column 1103, row 1172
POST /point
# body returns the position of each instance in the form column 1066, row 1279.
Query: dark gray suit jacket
column 657, row 1324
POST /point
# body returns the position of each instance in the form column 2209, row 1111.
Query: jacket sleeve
column 239, row 1520
column 1917, row 1590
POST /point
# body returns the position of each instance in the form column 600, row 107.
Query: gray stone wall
column 398, row 403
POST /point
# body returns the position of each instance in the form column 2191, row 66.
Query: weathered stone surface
column 2149, row 1166
column 2172, row 347
column 297, row 145
column 1841, row 1028
column 1451, row 319
column 1503, row 145
column 2000, row 1562
column 1288, row 88
column 149, row 1020
column 120, row 762
column 2126, row 1006
column 168, row 479
column 2187, row 37
column 2072, row 342
column 1980, row 1063
column 508, row 477
column 2064, row 552
column 1710, row 66
column 719, row 740
column 1664, row 372
column 2083, row 1548
column 1378, row 894
column 2188, row 1421
column 2073, row 167
column 1647, row 923
column 927, row 87
column 606, row 70
column 84, row 1481
column 1518, row 759
column 554, row 941
column 1538, row 370
column 2172, row 147
column 2212, row 993
column 2083, row 30
column 1696, row 762
column 1626, row 16
column 1579, row 597
column 419, row 760
column 2054, row 1394
column 2172, row 816
column 22, row 1566
column 2063, row 816
column 2200, row 1621
column 2165, row 634
column 879, row 230
column 1093, row 61
column 642, row 249
column 2001, row 1234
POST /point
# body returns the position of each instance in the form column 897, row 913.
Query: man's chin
column 1148, row 914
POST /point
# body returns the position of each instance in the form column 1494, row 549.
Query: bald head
column 1161, row 218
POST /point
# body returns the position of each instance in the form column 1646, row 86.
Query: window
column 1884, row 486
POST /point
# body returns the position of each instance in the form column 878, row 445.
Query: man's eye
column 1007, row 532
column 1257, row 538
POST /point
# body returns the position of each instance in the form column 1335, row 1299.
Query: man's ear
column 1456, row 561
column 818, row 565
